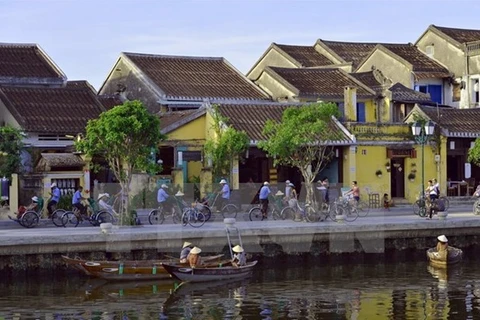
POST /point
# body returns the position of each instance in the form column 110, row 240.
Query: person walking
column 264, row 193
column 54, row 198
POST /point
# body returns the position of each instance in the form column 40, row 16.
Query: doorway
column 397, row 177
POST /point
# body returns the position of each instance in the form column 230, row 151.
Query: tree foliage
column 225, row 145
column 474, row 153
column 124, row 136
column 301, row 140
column 10, row 147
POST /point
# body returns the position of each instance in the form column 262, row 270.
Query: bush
column 145, row 199
column 65, row 202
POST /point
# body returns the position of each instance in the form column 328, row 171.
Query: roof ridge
column 352, row 42
column 153, row 55
column 454, row 28
column 294, row 45
column 18, row 45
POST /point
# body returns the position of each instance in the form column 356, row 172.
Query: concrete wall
column 273, row 87
column 474, row 65
column 444, row 52
column 327, row 54
column 272, row 59
column 136, row 88
column 391, row 68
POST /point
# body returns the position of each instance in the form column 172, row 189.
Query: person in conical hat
column 193, row 258
column 239, row 258
column 187, row 247
column 442, row 247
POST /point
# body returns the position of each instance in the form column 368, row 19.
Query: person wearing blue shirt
column 163, row 198
column 263, row 197
column 54, row 198
column 77, row 201
column 225, row 194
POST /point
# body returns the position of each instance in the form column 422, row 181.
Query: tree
column 226, row 145
column 301, row 140
column 474, row 153
column 10, row 147
column 124, row 136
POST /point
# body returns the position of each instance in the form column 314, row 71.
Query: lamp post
column 422, row 131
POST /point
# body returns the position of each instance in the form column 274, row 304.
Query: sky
column 85, row 38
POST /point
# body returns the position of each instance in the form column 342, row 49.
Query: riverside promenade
column 380, row 232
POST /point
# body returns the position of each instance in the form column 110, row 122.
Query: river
column 368, row 291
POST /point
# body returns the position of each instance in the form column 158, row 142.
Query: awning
column 49, row 161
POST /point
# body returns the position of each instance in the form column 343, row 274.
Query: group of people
column 190, row 254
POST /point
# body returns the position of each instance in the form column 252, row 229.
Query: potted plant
column 378, row 173
column 411, row 176
column 387, row 166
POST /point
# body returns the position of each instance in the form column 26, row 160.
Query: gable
column 192, row 130
column 271, row 57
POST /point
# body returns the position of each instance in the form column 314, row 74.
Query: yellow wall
column 371, row 111
column 193, row 130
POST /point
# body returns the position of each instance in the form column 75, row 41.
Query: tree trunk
column 308, row 177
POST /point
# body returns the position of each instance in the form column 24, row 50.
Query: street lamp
column 422, row 131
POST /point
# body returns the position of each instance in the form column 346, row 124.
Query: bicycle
column 193, row 217
column 344, row 206
column 95, row 217
column 228, row 211
column 157, row 216
column 255, row 213
column 31, row 218
column 290, row 212
column 420, row 206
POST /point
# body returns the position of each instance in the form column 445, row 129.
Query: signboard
column 192, row 155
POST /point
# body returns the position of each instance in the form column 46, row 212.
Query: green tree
column 226, row 145
column 10, row 147
column 124, row 136
column 474, row 153
column 301, row 140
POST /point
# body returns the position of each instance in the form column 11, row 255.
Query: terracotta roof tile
column 353, row 52
column 460, row 35
column 169, row 118
column 403, row 94
column 196, row 77
column 25, row 61
column 367, row 78
column 421, row 62
column 459, row 122
column 52, row 110
column 109, row 100
column 251, row 119
column 322, row 83
column 307, row 56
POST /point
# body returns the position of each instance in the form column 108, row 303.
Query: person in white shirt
column 224, row 194
column 239, row 258
column 163, row 198
column 288, row 189
column 436, row 185
column 102, row 203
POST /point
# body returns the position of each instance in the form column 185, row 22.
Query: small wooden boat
column 454, row 256
column 202, row 274
column 127, row 270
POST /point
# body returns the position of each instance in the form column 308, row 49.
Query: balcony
column 380, row 131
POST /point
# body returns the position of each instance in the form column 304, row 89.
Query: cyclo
column 31, row 218
column 94, row 215
column 228, row 211
column 178, row 206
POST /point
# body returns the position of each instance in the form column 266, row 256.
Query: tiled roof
column 460, row 35
column 367, row 78
column 172, row 117
column 321, row 83
column 422, row 65
column 251, row 119
column 196, row 77
column 109, row 100
column 52, row 110
column 62, row 160
column 403, row 94
column 353, row 52
column 307, row 56
column 25, row 61
column 458, row 122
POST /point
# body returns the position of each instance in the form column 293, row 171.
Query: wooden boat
column 454, row 256
column 207, row 273
column 127, row 270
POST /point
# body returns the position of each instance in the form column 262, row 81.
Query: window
column 434, row 90
column 457, row 89
column 475, row 92
column 361, row 113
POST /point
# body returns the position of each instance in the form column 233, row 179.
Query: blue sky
column 85, row 37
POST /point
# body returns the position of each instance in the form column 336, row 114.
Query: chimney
column 350, row 103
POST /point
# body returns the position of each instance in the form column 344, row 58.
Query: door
column 361, row 115
column 397, row 177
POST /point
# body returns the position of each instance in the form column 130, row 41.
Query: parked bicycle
column 31, row 218
column 193, row 216
column 344, row 206
column 96, row 217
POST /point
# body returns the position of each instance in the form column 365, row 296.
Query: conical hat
column 237, row 249
column 442, row 238
column 186, row 244
column 196, row 250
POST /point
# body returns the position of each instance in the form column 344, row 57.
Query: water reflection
column 382, row 291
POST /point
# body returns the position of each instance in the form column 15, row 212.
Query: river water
column 373, row 291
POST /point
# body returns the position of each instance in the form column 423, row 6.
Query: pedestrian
column 264, row 193
column 54, row 198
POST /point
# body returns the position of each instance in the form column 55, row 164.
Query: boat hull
column 454, row 256
column 188, row 274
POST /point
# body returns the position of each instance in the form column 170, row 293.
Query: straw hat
column 223, row 181
column 164, row 186
column 179, row 194
column 442, row 238
column 237, row 249
column 196, row 250
column 53, row 185
column 186, row 244
column 279, row 193
column 266, row 183
column 35, row 199
column 101, row 195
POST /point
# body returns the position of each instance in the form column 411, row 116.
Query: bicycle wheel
column 288, row 213
column 311, row 215
column 30, row 219
column 276, row 215
column 230, row 211
column 57, row 218
column 363, row 208
column 422, row 211
column 446, row 202
column 103, row 217
column 197, row 219
column 176, row 216
column 156, row 216
column 206, row 212
column 255, row 214
column 334, row 211
column 186, row 216
column 70, row 219
column 351, row 214
column 416, row 207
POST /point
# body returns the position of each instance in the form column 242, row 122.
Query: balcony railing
column 379, row 131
